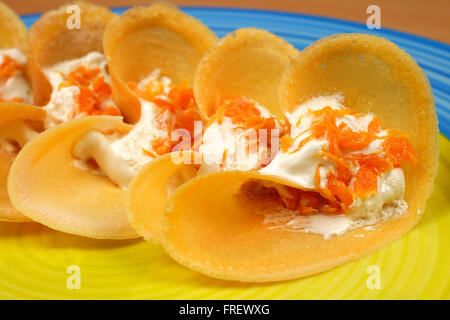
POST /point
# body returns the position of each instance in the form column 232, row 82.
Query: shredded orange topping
column 302, row 143
column 374, row 126
column 9, row 69
column 339, row 189
column 94, row 91
column 245, row 115
column 176, row 111
column 398, row 150
column 355, row 173
column 339, row 161
column 377, row 163
column 286, row 142
column 365, row 183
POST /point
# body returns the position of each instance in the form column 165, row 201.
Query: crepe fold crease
column 11, row 112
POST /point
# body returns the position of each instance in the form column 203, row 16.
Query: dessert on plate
column 245, row 158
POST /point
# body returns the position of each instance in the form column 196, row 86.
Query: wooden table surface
column 428, row 18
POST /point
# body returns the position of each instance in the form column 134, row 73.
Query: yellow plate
column 39, row 263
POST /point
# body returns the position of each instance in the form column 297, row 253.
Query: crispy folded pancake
column 52, row 42
column 248, row 62
column 211, row 227
column 13, row 33
column 46, row 185
column 79, row 201
column 143, row 39
column 9, row 112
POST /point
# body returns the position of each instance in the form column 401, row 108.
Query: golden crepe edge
column 13, row 33
column 158, row 36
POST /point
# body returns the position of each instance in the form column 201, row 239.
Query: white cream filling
column 93, row 60
column 298, row 167
column 121, row 159
column 16, row 86
column 313, row 104
column 62, row 106
column 95, row 145
column 155, row 75
column 240, row 147
column 63, row 101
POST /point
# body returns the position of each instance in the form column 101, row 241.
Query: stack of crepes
column 245, row 158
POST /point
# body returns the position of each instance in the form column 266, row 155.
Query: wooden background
column 428, row 18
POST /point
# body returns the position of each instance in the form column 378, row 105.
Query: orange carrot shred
column 343, row 184
column 8, row 69
column 374, row 126
column 94, row 91
column 176, row 111
column 324, row 192
column 344, row 174
column 338, row 160
column 302, row 143
column 286, row 142
column 376, row 162
column 366, row 182
column 398, row 150
column 339, row 189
